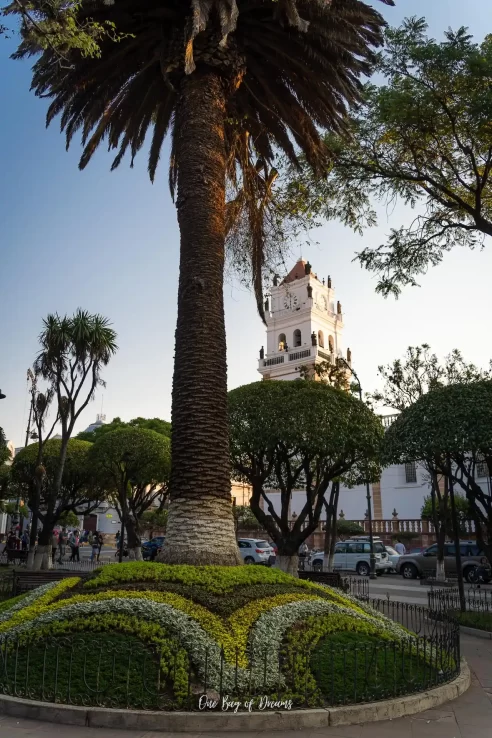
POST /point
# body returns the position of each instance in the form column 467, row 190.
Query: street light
column 372, row 558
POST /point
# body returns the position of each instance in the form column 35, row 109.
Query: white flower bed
column 266, row 635
column 27, row 600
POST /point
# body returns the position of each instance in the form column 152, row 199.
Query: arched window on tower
column 281, row 342
column 331, row 345
column 297, row 337
column 321, row 339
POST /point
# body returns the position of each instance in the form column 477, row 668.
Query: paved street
column 470, row 716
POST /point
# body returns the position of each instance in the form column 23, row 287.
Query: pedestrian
column 25, row 540
column 100, row 544
column 400, row 547
column 303, row 552
column 90, row 538
column 74, row 542
column 54, row 544
column 95, row 545
column 62, row 544
column 117, row 538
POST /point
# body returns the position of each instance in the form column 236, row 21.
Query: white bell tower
column 304, row 325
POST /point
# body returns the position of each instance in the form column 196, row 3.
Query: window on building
column 411, row 473
column 482, row 468
column 297, row 338
column 281, row 342
column 321, row 339
column 331, row 345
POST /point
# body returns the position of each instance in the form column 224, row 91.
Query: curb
column 476, row 632
column 191, row 722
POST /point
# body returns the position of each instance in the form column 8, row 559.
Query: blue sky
column 108, row 242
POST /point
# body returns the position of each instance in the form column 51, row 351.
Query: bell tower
column 304, row 324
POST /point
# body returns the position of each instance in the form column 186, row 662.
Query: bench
column 16, row 556
column 330, row 578
column 24, row 581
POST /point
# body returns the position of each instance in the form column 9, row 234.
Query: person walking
column 75, row 545
column 100, row 538
column 62, row 544
column 95, row 545
column 400, row 548
column 303, row 552
column 55, row 540
column 25, row 540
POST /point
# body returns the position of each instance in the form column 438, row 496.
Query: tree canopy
column 298, row 435
column 419, row 372
column 163, row 427
column 4, row 451
column 79, row 491
column 453, row 426
column 421, row 136
column 133, row 464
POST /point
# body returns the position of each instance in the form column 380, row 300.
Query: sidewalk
column 470, row 716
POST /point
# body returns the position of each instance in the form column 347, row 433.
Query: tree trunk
column 200, row 528
column 456, row 532
column 134, row 540
column 331, row 528
column 34, row 525
column 42, row 559
column 289, row 564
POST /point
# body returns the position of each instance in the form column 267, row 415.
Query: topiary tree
column 79, row 491
column 292, row 435
column 405, row 381
column 453, row 426
column 133, row 464
column 156, row 424
column 463, row 513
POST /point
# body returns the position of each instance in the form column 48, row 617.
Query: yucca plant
column 232, row 82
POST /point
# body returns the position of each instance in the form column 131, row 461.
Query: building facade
column 305, row 327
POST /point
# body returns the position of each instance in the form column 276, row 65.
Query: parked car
column 412, row 566
column 394, row 557
column 354, row 555
column 151, row 548
column 256, row 551
column 274, row 546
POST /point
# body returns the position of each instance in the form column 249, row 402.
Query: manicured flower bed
column 240, row 630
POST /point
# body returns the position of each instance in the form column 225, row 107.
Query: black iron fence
column 448, row 600
column 118, row 671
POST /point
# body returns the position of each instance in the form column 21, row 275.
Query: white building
column 305, row 327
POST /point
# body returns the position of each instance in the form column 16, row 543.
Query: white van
column 355, row 555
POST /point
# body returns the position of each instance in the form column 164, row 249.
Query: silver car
column 256, row 551
column 394, row 557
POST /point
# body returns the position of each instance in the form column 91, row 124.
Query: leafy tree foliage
column 453, row 426
column 133, row 464
column 445, row 520
column 4, row 451
column 163, row 427
column 69, row 519
column 423, row 136
column 421, row 371
column 234, row 83
column 298, row 435
column 244, row 518
column 79, row 491
column 405, row 381
column 54, row 25
column 348, row 528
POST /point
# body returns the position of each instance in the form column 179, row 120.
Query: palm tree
column 232, row 82
column 74, row 350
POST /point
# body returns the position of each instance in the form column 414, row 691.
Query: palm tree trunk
column 200, row 528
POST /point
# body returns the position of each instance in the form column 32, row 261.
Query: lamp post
column 372, row 558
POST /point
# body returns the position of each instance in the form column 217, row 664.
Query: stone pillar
column 377, row 502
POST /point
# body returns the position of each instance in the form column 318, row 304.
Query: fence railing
column 448, row 600
column 118, row 671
